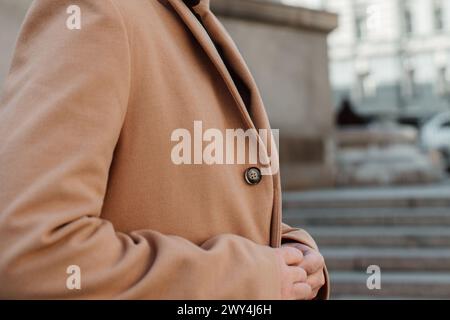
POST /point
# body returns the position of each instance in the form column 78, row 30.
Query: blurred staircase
column 405, row 231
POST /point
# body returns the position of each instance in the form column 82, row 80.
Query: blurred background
column 360, row 90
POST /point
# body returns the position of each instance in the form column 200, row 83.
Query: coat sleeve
column 290, row 234
column 61, row 114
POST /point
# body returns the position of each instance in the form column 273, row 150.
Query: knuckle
column 295, row 254
column 300, row 275
column 321, row 259
column 322, row 280
column 292, row 250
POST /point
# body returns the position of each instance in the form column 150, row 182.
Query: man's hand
column 293, row 276
column 314, row 264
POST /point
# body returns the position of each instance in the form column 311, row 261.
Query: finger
column 292, row 256
column 316, row 281
column 298, row 274
column 314, row 294
column 298, row 246
column 302, row 291
column 312, row 261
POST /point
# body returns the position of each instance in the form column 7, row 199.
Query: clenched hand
column 294, row 278
column 314, row 264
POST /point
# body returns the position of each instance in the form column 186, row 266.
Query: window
column 365, row 86
column 409, row 85
column 361, row 24
column 408, row 21
column 442, row 84
column 438, row 16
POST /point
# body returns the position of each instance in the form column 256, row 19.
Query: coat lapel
column 238, row 63
column 208, row 46
column 258, row 119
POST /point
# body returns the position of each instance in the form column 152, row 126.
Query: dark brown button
column 253, row 176
column 191, row 3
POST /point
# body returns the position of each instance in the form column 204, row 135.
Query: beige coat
column 86, row 176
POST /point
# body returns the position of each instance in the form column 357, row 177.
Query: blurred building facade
column 392, row 57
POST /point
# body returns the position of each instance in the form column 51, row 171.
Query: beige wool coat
column 86, row 177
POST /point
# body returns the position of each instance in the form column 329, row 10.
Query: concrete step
column 404, row 285
column 398, row 197
column 407, row 237
column 388, row 259
column 429, row 216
